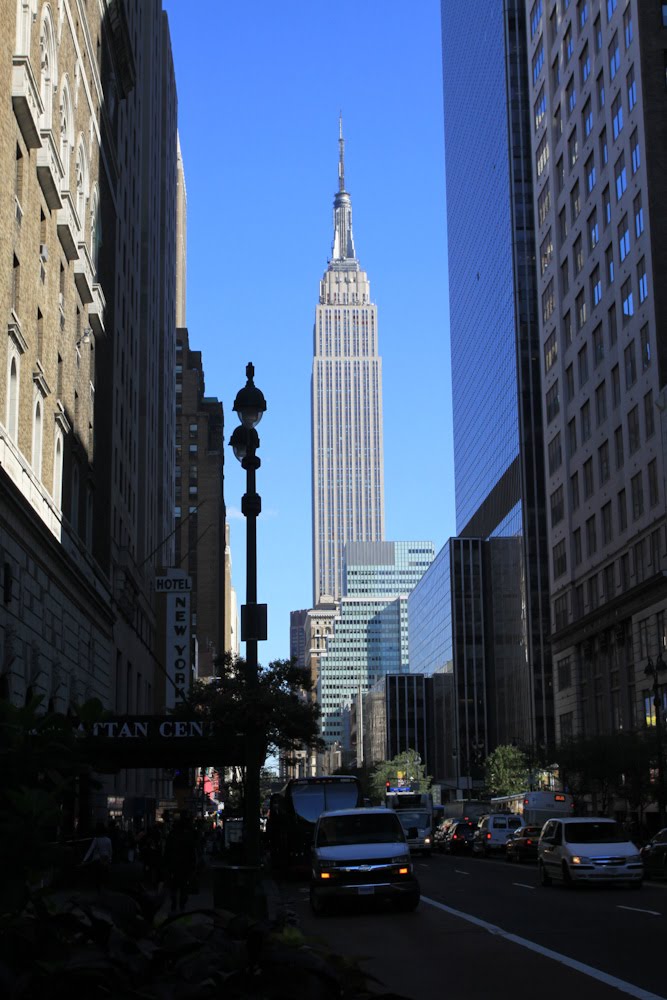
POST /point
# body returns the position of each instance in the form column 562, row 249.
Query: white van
column 492, row 832
column 587, row 849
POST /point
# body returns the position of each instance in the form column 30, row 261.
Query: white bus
column 535, row 807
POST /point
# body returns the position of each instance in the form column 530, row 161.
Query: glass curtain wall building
column 499, row 475
column 370, row 631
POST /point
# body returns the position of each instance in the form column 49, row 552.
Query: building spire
column 341, row 154
column 343, row 241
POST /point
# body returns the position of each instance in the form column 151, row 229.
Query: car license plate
column 366, row 890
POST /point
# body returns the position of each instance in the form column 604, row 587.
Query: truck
column 415, row 811
column 465, row 809
column 294, row 811
column 535, row 808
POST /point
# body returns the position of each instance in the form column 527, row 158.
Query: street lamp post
column 653, row 670
column 250, row 405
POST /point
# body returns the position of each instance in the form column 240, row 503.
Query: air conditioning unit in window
column 43, row 252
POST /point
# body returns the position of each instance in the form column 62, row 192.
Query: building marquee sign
column 154, row 727
column 133, row 741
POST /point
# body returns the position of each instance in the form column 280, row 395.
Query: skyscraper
column 348, row 458
column 499, row 472
column 598, row 133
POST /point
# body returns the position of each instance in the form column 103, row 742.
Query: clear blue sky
column 260, row 86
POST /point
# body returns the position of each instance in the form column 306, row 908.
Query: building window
column 559, row 560
column 614, row 56
column 653, row 491
column 589, row 485
column 615, row 387
column 591, row 176
column 571, row 95
column 618, row 447
column 649, row 416
column 612, row 324
column 582, row 358
column 576, row 547
column 553, row 402
column 637, row 495
column 623, row 239
column 567, row 329
column 562, row 225
column 585, row 421
column 605, row 515
column 565, row 276
column 550, row 351
column 600, row 90
column 555, row 454
column 603, row 462
column 574, row 490
column 645, row 347
column 13, row 372
column 622, row 511
column 585, row 64
column 596, row 286
column 555, row 74
column 538, row 60
column 557, row 506
column 58, row 469
column 591, row 537
column 578, row 255
column 632, row 88
column 560, row 611
column 635, row 151
column 606, row 206
column 546, row 252
column 572, row 149
column 535, row 17
column 544, row 203
column 569, row 383
column 620, row 176
column 548, row 301
column 634, row 438
column 609, row 264
column 568, row 44
column 571, row 437
column 627, row 299
column 627, row 26
column 639, row 215
column 580, row 303
column 542, row 155
column 600, row 404
column 598, row 347
column 37, row 438
column 540, row 108
column 642, row 280
column 617, row 116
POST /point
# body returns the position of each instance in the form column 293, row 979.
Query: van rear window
column 593, row 833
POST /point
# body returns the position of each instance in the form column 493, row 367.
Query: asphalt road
column 485, row 928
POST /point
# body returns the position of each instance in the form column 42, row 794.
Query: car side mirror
column 413, row 832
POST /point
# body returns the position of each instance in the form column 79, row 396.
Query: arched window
column 95, row 229
column 13, row 396
column 47, row 66
column 66, row 138
column 37, row 438
column 81, row 168
column 58, row 469
column 89, row 519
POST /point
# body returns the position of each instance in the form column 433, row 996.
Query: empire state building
column 348, row 457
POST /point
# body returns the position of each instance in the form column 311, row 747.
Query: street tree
column 506, row 771
column 405, row 769
column 279, row 710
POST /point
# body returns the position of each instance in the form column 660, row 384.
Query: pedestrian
column 99, row 855
column 150, row 851
column 180, row 861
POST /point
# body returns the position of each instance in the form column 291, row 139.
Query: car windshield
column 412, row 817
column 530, row 831
column 374, row 828
column 593, row 833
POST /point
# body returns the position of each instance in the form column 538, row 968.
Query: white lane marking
column 572, row 963
column 459, row 872
column 524, row 885
column 636, row 909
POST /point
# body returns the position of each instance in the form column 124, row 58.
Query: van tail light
column 529, row 843
column 488, row 836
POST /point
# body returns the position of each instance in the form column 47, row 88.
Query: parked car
column 587, row 849
column 458, row 838
column 361, row 853
column 654, row 855
column 492, row 832
column 522, row 844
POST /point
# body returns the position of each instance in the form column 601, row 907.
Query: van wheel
column 544, row 878
column 567, row 878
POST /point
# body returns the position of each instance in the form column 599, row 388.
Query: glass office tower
column 499, row 475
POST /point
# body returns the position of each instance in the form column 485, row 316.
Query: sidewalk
column 205, row 897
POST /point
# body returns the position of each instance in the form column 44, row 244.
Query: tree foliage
column 506, row 771
column 407, row 767
column 609, row 765
column 278, row 709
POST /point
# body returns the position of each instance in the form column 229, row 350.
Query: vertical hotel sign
column 175, row 589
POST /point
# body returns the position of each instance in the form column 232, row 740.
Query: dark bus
column 295, row 809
